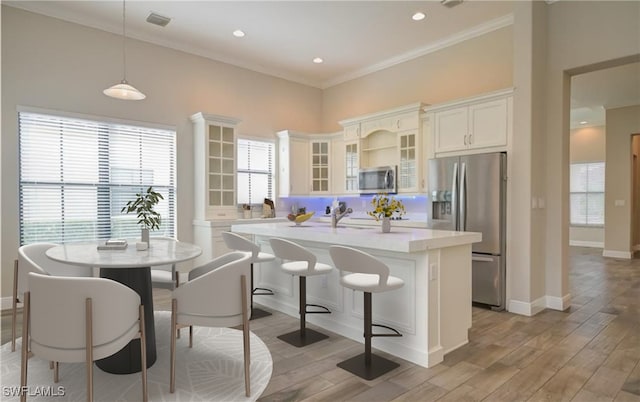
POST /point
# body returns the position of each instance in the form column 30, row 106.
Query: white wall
column 587, row 144
column 52, row 64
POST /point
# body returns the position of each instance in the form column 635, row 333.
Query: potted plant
column 143, row 207
column 384, row 207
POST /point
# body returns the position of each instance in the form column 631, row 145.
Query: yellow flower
column 383, row 206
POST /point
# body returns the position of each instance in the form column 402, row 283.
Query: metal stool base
column 303, row 338
column 357, row 365
column 259, row 313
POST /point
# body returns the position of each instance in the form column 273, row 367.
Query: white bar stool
column 369, row 275
column 240, row 243
column 302, row 263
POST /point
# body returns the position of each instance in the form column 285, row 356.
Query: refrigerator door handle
column 454, row 198
column 463, row 197
column 483, row 259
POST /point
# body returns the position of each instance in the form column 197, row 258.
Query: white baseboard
column 582, row 243
column 533, row 308
column 559, row 303
column 525, row 308
column 617, row 254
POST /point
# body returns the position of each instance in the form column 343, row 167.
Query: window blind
column 255, row 168
column 77, row 174
column 587, row 193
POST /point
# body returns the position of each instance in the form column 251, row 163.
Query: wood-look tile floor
column 590, row 352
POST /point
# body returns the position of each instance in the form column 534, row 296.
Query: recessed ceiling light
column 583, row 122
column 418, row 16
column 238, row 33
column 318, row 60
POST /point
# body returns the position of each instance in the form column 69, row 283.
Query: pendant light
column 124, row 90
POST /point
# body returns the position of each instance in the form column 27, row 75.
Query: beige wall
column 621, row 124
column 48, row 63
column 479, row 65
column 582, row 36
column 587, row 145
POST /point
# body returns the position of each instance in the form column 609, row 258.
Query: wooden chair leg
column 56, row 372
column 177, row 285
column 25, row 343
column 14, row 312
column 190, row 336
column 172, row 369
column 89, row 347
column 143, row 353
column 245, row 336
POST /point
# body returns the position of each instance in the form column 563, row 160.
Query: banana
column 303, row 217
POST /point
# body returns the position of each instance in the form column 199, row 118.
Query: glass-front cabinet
column 351, row 167
column 320, row 166
column 407, row 167
column 215, row 166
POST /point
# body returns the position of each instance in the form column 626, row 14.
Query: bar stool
column 302, row 263
column 370, row 275
column 239, row 243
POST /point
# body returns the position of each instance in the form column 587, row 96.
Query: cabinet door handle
column 398, row 123
column 465, row 140
column 470, row 138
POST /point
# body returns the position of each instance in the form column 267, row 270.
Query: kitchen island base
column 432, row 311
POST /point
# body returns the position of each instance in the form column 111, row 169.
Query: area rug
column 211, row 371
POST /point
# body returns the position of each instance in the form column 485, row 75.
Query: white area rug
column 211, row 371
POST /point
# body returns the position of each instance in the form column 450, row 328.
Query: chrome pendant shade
column 124, row 90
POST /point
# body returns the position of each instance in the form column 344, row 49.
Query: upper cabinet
column 478, row 124
column 388, row 138
column 215, row 166
column 305, row 163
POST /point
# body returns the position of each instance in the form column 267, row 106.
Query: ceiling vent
column 158, row 19
column 450, row 3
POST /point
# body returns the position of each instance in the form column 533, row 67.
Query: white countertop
column 401, row 239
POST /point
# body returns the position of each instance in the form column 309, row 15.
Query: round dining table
column 130, row 267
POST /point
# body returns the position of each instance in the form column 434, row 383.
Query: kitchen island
column 432, row 310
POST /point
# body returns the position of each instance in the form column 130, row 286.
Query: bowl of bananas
column 300, row 217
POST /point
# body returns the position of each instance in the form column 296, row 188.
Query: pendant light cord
column 124, row 42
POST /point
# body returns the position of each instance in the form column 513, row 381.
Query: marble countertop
column 160, row 252
column 401, row 239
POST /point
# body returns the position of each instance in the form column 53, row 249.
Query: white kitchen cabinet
column 388, row 138
column 409, row 172
column 320, row 167
column 475, row 124
column 215, row 166
column 293, row 164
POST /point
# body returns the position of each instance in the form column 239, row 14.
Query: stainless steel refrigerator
column 468, row 193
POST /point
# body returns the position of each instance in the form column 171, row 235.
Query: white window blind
column 255, row 171
column 76, row 175
column 587, row 193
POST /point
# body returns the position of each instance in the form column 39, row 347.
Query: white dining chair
column 164, row 276
column 237, row 242
column 363, row 272
column 75, row 320
column 217, row 294
column 32, row 258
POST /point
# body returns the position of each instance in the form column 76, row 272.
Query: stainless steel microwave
column 380, row 179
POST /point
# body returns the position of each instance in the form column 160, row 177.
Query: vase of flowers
column 143, row 207
column 384, row 207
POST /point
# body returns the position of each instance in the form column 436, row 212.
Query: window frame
column 272, row 174
column 586, row 224
column 104, row 182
